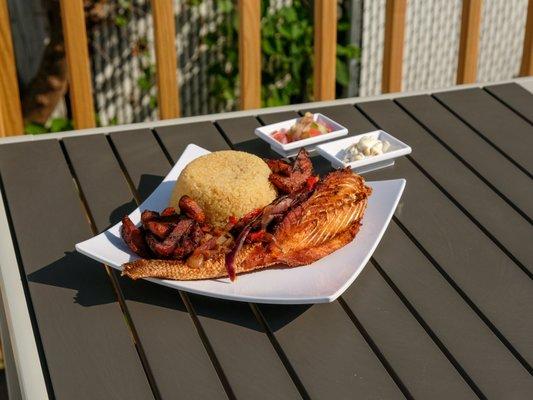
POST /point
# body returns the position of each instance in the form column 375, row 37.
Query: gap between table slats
column 359, row 125
column 349, row 119
column 311, row 384
column 515, row 97
column 113, row 278
column 482, row 159
column 501, row 223
column 510, row 325
column 172, row 343
column 409, row 366
column 244, row 352
column 173, row 144
column 497, row 124
column 111, row 369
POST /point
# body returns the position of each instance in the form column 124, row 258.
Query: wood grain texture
column 325, row 43
column 79, row 71
column 469, row 41
column 391, row 80
column 240, row 344
column 10, row 110
column 486, row 160
column 505, row 225
column 185, row 363
column 267, row 119
column 514, row 96
column 488, row 277
column 327, row 352
column 419, row 363
column 463, row 334
column 494, row 121
column 176, row 138
column 479, row 352
column 88, row 349
column 250, row 53
column 240, row 133
column 166, row 58
column 526, row 66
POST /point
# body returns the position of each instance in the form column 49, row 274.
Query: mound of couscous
column 224, row 184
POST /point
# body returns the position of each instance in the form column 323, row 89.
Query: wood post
column 469, row 42
column 526, row 68
column 325, row 16
column 391, row 80
column 250, row 53
column 166, row 59
column 10, row 110
column 77, row 55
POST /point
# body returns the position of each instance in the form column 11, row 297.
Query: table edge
column 526, row 82
column 24, row 346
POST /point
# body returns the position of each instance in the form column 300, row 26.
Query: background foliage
column 287, row 54
column 286, row 51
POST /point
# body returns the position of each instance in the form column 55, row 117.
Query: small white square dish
column 289, row 149
column 320, row 282
column 334, row 152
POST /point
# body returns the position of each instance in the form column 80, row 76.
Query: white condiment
column 367, row 146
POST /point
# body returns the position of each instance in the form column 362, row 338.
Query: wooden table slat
column 443, row 310
column 465, row 254
column 494, row 121
column 510, row 181
column 316, row 341
column 499, row 219
column 165, row 329
column 267, row 119
column 328, row 353
column 244, row 352
column 482, row 271
column 240, row 132
column 366, row 299
column 87, row 345
column 419, row 363
column 176, row 138
column 515, row 97
column 465, row 336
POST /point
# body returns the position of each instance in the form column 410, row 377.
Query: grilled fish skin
column 325, row 222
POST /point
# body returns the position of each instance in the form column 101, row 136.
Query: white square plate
column 320, row 282
column 334, row 152
column 290, row 149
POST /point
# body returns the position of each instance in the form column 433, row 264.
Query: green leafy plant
column 52, row 126
column 286, row 52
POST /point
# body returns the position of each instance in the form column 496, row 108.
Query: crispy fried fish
column 325, row 222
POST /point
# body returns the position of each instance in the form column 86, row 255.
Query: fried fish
column 324, row 222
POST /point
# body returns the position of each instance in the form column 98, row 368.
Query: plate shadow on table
column 91, row 287
column 146, row 186
column 257, row 147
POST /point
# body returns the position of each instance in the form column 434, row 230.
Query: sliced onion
column 232, row 255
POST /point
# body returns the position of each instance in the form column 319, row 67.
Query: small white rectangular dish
column 290, row 149
column 320, row 282
column 334, row 152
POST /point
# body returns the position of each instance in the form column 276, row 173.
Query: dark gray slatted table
column 444, row 309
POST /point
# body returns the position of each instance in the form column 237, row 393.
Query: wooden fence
column 325, row 39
